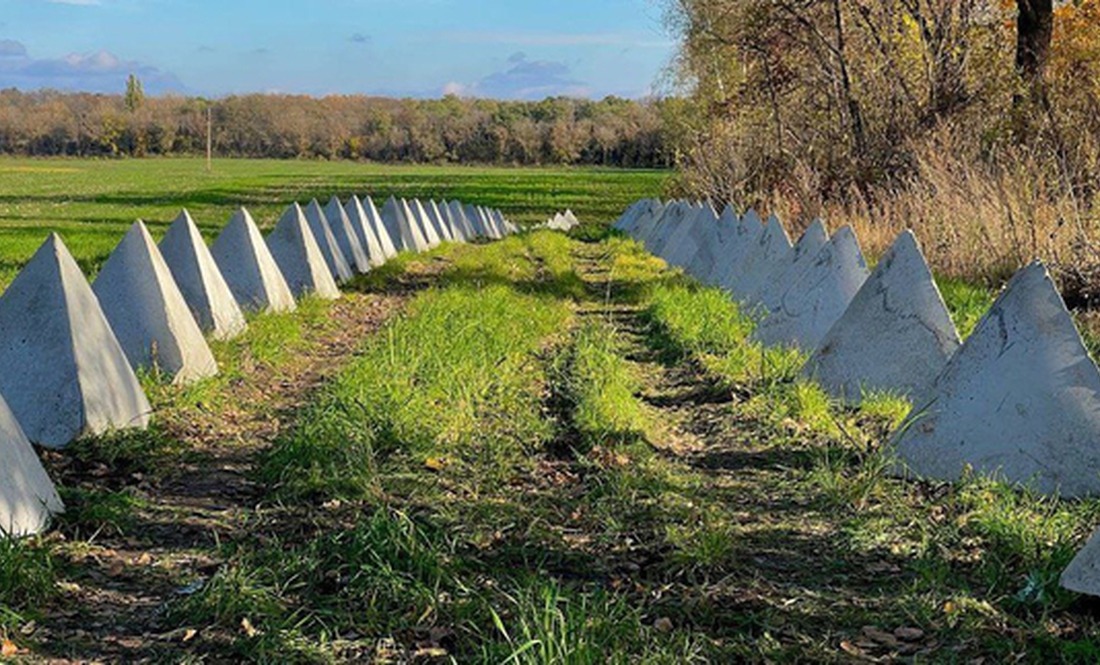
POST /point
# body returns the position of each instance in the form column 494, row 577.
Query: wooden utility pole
column 209, row 139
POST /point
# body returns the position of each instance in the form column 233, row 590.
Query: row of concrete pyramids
column 561, row 221
column 1020, row 399
column 71, row 350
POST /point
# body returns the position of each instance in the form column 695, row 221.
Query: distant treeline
column 612, row 131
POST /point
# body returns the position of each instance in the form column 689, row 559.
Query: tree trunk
column 1034, row 36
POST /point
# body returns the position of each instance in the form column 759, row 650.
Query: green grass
column 92, row 202
column 601, row 386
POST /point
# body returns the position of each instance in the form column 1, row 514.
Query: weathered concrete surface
column 724, row 237
column 473, row 215
column 299, row 257
column 458, row 212
column 64, row 373
column 896, row 335
column 1019, row 400
column 352, row 244
column 817, row 298
column 146, row 309
column 249, row 269
column 28, row 497
column 687, row 249
column 1083, row 573
column 452, row 221
column 330, row 249
column 428, row 229
column 671, row 228
column 677, row 246
column 769, row 293
column 410, row 226
column 743, row 239
column 371, row 232
column 436, row 217
column 200, row 280
column 772, row 247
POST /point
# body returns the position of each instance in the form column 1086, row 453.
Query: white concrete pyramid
column 458, row 213
column 148, row 313
column 475, row 221
column 391, row 220
column 818, row 296
column 647, row 226
column 64, row 373
column 639, row 228
column 1083, row 573
column 352, row 245
column 431, row 233
column 744, row 238
column 436, row 217
column 373, row 236
column 769, row 293
column 410, row 226
column 896, row 335
column 27, row 495
column 299, row 257
column 200, row 280
column 690, row 249
column 322, row 232
column 771, row 248
column 249, row 269
column 1020, row 399
column 446, row 211
column 673, row 217
column 678, row 246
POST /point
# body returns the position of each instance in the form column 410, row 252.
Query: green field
column 92, row 203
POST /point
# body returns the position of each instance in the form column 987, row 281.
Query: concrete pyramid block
column 725, row 236
column 769, row 292
column 430, row 232
column 436, row 217
column 743, row 239
column 371, row 234
column 353, row 245
column 65, row 374
column 28, row 497
column 817, row 297
column 473, row 215
column 896, row 335
column 672, row 228
column 299, row 257
column 689, row 249
column 771, row 248
column 200, row 280
column 1083, row 573
column 1020, row 399
column 446, row 212
column 330, row 249
column 458, row 211
column 249, row 269
column 148, row 313
column 411, row 226
column 641, row 228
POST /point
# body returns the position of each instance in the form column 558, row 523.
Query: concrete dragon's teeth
column 249, row 269
column 65, row 375
column 148, row 313
column 200, row 280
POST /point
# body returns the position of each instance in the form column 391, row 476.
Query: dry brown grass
column 975, row 222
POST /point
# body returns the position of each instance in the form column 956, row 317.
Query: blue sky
column 515, row 49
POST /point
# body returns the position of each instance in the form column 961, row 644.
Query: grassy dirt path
column 118, row 581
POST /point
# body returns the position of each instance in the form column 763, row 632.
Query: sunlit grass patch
column 601, row 386
column 456, row 376
column 967, row 302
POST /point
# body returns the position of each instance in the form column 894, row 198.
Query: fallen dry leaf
column 663, row 625
column 8, row 649
column 248, row 628
column 909, row 634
